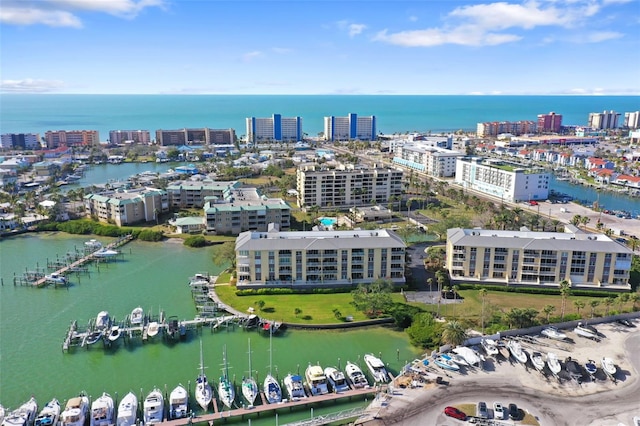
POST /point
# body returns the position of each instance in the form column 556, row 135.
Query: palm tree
column 579, row 304
column 483, row 295
column 555, row 223
column 584, row 220
column 575, row 220
column 454, row 333
column 594, row 304
column 565, row 291
column 548, row 310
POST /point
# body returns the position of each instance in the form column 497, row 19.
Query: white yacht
column 609, row 367
column 136, row 317
column 316, row 380
column 537, row 361
column 203, row 391
column 127, row 410
column 517, row 352
column 93, row 245
column 587, row 331
column 295, row 387
column 22, row 416
column 377, row 368
column 553, row 333
column 355, row 375
column 103, row 320
column 226, row 390
column 178, row 403
column 553, row 363
column 75, row 411
column 337, row 380
column 152, row 329
column 490, row 346
column 470, row 356
column 153, row 408
column 49, row 415
column 56, row 278
column 102, row 412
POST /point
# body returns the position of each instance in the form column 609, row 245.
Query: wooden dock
column 77, row 264
column 271, row 408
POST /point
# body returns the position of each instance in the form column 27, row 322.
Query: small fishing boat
column 103, row 320
column 469, row 355
column 587, row 331
column 553, row 333
column 553, row 363
column 355, row 375
column 49, row 414
column 178, row 403
column 23, row 416
column 153, row 328
column 458, row 359
column 609, row 368
column 127, row 410
column 102, row 411
column 104, row 253
column 93, row 245
column 517, row 352
column 591, row 368
column 153, row 407
column 537, row 361
column 294, row 386
column 316, row 380
column 114, row 333
column 337, row 380
column 377, row 368
column 136, row 317
column 226, row 391
column 203, row 391
column 75, row 411
column 445, row 362
column 490, row 347
column 56, row 278
column 94, row 337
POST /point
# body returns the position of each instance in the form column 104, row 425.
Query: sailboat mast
column 250, row 371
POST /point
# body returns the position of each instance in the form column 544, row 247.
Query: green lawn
column 316, row 308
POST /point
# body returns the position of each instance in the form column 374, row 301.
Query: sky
column 439, row 47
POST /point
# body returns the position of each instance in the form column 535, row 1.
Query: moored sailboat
column 203, row 391
column 226, row 390
column 249, row 385
column 270, row 386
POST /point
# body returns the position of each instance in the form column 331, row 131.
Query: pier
column 76, row 265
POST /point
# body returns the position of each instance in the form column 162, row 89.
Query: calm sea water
column 39, row 113
column 33, row 323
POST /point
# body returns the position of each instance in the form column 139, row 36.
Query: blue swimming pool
column 328, row 221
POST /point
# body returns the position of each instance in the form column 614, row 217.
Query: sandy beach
column 602, row 402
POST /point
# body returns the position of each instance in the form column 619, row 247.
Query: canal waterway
column 610, row 200
column 33, row 323
column 98, row 174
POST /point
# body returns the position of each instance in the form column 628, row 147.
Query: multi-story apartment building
column 124, row 207
column 20, row 141
column 318, row 258
column 632, row 120
column 495, row 128
column 274, row 129
column 438, row 162
column 549, row 123
column 57, row 138
column 245, row 209
column 196, row 136
column 604, row 120
column 350, row 127
column 502, row 180
column 192, row 194
column 537, row 258
column 118, row 137
column 346, row 185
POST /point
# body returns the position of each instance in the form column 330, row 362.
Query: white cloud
column 250, row 56
column 600, row 36
column 281, row 50
column 352, row 28
column 63, row 13
column 30, row 85
column 465, row 36
column 413, row 18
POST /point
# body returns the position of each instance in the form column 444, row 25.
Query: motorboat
column 458, row 359
column 572, row 368
column 316, row 380
column 591, row 368
column 102, row 413
column 75, row 411
column 173, row 328
column 226, row 390
column 587, row 331
column 490, row 347
column 517, row 352
column 553, row 363
column 94, row 337
column 103, row 320
column 178, row 403
column 104, row 253
column 249, row 385
column 377, row 368
column 93, row 245
column 114, row 333
column 153, row 328
column 337, row 380
column 445, row 362
column 609, row 368
column 355, row 375
column 470, row 356
column 56, row 278
column 127, row 410
column 203, row 391
column 295, row 387
column 137, row 316
column 1, row 414
column 636, row 420
column 49, row 414
column 272, row 389
column 153, row 407
column 537, row 361
column 24, row 415
column 553, row 333
column 504, row 350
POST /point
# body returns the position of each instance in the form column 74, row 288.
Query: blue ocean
column 20, row 113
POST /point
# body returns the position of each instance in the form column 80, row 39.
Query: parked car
column 498, row 411
column 481, row 410
column 514, row 412
column 455, row 413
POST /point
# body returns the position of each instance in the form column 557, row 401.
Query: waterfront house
column 188, row 225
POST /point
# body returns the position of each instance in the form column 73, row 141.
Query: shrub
column 150, row 235
column 195, row 241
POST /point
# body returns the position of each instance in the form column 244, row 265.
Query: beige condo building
column 537, row 258
column 126, row 207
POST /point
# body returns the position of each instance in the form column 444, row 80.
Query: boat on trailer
column 609, row 368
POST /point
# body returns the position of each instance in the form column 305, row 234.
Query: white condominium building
column 438, row 162
column 502, row 180
column 604, row 120
column 274, row 129
column 537, row 258
column 20, row 141
column 346, row 185
column 350, row 127
column 632, row 120
column 318, row 258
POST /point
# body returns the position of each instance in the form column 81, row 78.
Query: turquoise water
column 33, row 323
column 606, row 199
column 39, row 113
column 328, row 221
column 103, row 173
